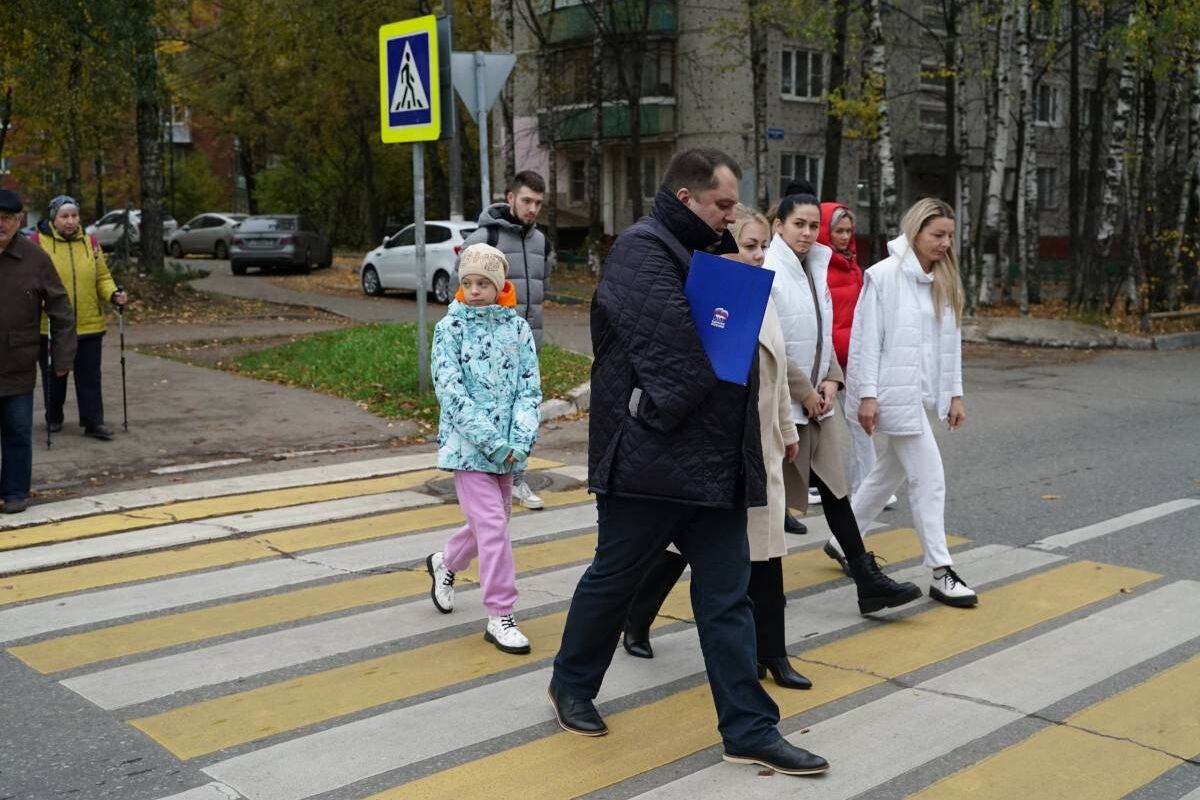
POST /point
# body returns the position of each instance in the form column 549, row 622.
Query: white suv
column 393, row 265
column 109, row 229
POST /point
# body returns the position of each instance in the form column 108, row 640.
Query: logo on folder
column 720, row 317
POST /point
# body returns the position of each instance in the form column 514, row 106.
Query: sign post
column 478, row 79
column 410, row 106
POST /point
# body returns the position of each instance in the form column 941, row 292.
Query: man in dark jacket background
column 511, row 227
column 29, row 285
column 674, row 456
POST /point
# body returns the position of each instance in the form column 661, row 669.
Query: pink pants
column 486, row 502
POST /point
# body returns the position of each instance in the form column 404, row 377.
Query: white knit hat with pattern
column 485, row 261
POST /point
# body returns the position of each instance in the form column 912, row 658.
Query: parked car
column 206, row 233
column 109, row 229
column 279, row 240
column 393, row 265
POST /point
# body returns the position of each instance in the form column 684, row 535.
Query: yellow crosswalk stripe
column 144, row 636
column 1102, row 753
column 658, row 733
column 212, row 725
column 80, row 577
column 101, row 524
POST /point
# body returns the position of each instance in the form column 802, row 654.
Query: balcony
column 572, row 20
column 575, row 122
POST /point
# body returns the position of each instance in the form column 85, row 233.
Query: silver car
column 286, row 241
column 109, row 229
column 210, row 233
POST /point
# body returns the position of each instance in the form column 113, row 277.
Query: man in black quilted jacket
column 674, row 456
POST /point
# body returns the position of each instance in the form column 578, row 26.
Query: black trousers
column 632, row 536
column 841, row 519
column 87, row 383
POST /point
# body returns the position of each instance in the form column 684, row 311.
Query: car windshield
column 268, row 224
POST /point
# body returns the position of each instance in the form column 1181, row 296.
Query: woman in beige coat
column 765, row 523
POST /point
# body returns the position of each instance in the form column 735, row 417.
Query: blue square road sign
column 409, row 93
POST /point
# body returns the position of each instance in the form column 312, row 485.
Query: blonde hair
column 743, row 214
column 947, row 285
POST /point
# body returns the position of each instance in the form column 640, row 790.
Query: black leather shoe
column 781, row 756
column 102, row 432
column 638, row 647
column 574, row 714
column 793, row 525
column 15, row 506
column 784, row 674
column 54, row 427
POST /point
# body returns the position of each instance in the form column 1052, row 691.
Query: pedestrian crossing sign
column 409, row 98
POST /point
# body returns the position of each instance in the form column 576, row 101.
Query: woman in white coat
column 764, row 524
column 906, row 363
column 802, row 299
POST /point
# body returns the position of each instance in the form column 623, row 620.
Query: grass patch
column 376, row 366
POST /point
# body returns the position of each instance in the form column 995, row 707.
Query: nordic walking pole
column 124, row 395
column 47, row 376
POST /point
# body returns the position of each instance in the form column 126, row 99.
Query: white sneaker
column 891, row 503
column 948, row 588
column 442, row 591
column 523, row 495
column 504, row 633
column 814, row 497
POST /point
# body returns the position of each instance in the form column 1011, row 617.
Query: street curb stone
column 578, row 401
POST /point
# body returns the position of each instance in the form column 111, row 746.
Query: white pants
column 862, row 449
column 917, row 459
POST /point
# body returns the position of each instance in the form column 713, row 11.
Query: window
column 864, row 184
column 932, row 115
column 1051, row 20
column 1047, row 188
column 932, row 78
column 5, row 166
column 1047, row 109
column 407, row 237
column 658, row 72
column 436, row 234
column 933, row 18
column 795, row 165
column 802, row 74
column 577, row 192
column 649, row 176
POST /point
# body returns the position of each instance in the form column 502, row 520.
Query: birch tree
column 877, row 77
column 992, row 234
column 1191, row 179
column 1027, row 198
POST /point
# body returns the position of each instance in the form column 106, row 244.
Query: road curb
column 578, row 401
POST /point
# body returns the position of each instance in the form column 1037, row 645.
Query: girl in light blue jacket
column 485, row 372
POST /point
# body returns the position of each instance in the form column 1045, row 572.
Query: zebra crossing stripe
column 936, row 717
column 1102, row 753
column 661, row 732
column 319, row 762
column 1104, row 528
column 81, row 577
column 254, row 714
column 102, row 605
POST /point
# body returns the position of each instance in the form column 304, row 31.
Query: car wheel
column 220, row 251
column 370, row 282
column 441, row 288
column 176, row 250
column 238, row 269
column 307, row 266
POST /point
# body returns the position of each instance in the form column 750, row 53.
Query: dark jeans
column 632, row 536
column 16, row 446
column 87, row 383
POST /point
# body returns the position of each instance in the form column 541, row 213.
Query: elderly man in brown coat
column 29, row 285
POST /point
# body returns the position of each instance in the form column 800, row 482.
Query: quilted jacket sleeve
column 642, row 295
column 525, row 419
column 450, row 385
column 866, row 340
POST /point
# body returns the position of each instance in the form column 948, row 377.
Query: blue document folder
column 728, row 301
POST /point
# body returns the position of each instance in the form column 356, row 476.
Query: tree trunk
column 595, row 158
column 831, row 178
column 950, row 61
column 963, row 178
column 1191, row 146
column 887, row 164
column 1074, row 193
column 978, row 242
column 5, row 118
column 1027, row 198
column 374, row 213
column 1091, row 282
column 1147, row 197
column 758, row 73
column 1114, row 166
column 633, row 181
column 148, row 90
column 995, row 184
column 74, row 148
column 98, row 167
column 506, row 99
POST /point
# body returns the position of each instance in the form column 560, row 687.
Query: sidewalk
column 1033, row 332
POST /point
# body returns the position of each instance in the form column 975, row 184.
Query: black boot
column 875, row 589
column 793, row 525
column 783, row 673
column 651, row 594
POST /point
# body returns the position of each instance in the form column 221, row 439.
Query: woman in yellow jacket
column 80, row 264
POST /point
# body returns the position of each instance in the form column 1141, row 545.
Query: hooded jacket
column 81, row 267
column 662, row 426
column 485, row 373
column 524, row 246
column 845, row 281
column 886, row 347
column 30, row 285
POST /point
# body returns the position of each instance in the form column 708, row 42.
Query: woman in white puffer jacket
column 905, row 363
